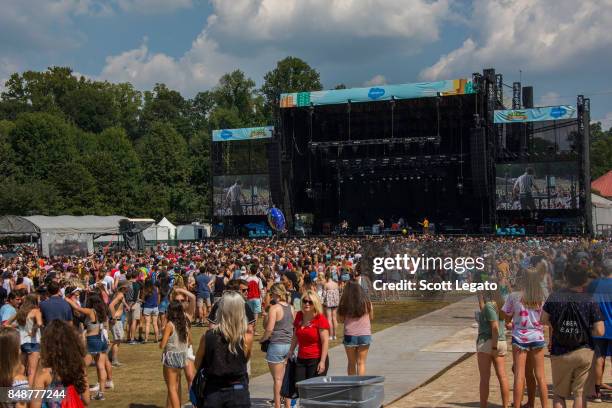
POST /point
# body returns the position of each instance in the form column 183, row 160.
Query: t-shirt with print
column 586, row 307
column 526, row 321
column 309, row 341
column 489, row 314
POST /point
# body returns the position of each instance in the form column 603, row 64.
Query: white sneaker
column 109, row 385
column 95, row 388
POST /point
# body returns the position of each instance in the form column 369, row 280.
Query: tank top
column 25, row 332
column 283, row 328
column 174, row 344
column 331, row 297
column 222, row 367
column 358, row 326
column 219, row 286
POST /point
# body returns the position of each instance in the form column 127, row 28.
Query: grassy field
column 139, row 382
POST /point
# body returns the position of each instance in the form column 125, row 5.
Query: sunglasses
column 244, row 290
column 307, row 302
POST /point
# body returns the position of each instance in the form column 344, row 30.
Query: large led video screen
column 537, row 186
column 241, row 195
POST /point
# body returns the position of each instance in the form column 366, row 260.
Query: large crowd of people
column 289, row 297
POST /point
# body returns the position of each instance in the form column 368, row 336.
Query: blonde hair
column 279, row 290
column 316, row 300
column 533, row 295
column 232, row 321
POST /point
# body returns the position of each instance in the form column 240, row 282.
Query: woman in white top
column 29, row 321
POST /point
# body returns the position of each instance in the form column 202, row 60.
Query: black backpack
column 570, row 330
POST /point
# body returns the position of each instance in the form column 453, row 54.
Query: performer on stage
column 344, row 227
column 425, row 225
column 234, row 197
column 523, row 187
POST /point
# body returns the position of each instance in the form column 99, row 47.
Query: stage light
column 418, row 177
column 351, row 178
column 405, row 178
column 397, row 178
column 362, row 174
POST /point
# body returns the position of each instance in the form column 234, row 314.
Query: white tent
column 171, row 227
column 156, row 233
column 602, row 214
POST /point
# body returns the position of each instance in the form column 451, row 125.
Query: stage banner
column 535, row 114
column 226, row 135
column 377, row 93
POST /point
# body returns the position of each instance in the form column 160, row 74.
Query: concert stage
column 422, row 150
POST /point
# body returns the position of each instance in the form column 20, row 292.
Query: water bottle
column 293, row 402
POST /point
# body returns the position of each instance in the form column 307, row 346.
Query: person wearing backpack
column 254, row 293
column 574, row 318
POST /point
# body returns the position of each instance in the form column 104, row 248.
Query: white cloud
column 606, row 121
column 153, row 6
column 274, row 20
column 535, row 35
column 376, row 80
column 199, row 68
column 255, row 33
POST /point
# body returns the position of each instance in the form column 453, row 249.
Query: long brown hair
column 30, row 302
column 9, row 357
column 354, row 301
column 62, row 350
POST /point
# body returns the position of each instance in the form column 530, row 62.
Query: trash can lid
column 343, row 380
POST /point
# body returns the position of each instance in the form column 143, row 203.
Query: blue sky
column 562, row 47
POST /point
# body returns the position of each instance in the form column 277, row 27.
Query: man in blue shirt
column 602, row 293
column 55, row 308
column 9, row 309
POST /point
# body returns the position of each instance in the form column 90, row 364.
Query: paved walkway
column 408, row 354
column 458, row 388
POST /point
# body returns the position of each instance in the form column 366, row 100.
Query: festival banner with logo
column 377, row 93
column 535, row 114
column 226, row 135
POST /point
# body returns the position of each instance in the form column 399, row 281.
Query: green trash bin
column 342, row 391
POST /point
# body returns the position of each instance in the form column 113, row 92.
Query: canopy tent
column 171, row 227
column 15, row 225
column 603, row 185
column 602, row 214
column 67, row 234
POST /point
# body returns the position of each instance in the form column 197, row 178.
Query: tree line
column 72, row 145
column 78, row 146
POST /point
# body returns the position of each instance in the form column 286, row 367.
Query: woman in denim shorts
column 356, row 311
column 279, row 331
column 150, row 308
column 96, row 319
column 524, row 309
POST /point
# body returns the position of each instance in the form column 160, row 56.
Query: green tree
column 601, row 150
column 90, row 107
column 115, row 165
column 128, row 102
column 236, row 93
column 201, row 107
column 166, row 168
column 290, row 75
column 165, row 105
column 43, row 143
